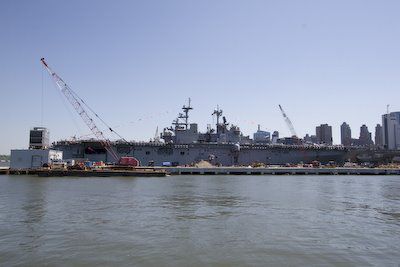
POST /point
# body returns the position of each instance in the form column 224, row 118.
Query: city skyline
column 137, row 63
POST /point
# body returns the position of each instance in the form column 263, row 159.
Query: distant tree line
column 4, row 157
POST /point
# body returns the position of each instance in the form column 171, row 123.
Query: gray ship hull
column 218, row 154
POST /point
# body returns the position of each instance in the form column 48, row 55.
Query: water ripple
column 201, row 220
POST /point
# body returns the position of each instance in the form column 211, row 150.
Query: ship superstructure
column 183, row 132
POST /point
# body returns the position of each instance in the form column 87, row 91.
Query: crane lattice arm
column 78, row 106
column 288, row 122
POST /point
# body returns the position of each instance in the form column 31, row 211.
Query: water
column 200, row 220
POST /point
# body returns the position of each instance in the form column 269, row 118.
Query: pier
column 162, row 171
column 280, row 171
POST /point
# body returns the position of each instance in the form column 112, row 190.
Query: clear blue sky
column 136, row 63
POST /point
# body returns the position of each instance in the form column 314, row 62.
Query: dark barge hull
column 102, row 173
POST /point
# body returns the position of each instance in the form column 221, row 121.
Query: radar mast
column 218, row 113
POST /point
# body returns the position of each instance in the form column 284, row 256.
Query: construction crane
column 79, row 106
column 157, row 136
column 288, row 122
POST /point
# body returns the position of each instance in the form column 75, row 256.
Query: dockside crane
column 79, row 106
column 288, row 122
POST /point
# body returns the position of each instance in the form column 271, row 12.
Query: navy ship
column 223, row 145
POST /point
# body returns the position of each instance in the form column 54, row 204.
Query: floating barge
column 140, row 172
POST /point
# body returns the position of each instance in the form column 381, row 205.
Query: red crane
column 78, row 105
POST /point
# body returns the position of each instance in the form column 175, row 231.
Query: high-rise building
column 345, row 134
column 324, row 134
column 365, row 136
column 391, row 130
column 378, row 135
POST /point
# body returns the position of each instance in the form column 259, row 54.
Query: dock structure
column 279, row 171
column 4, row 170
column 162, row 171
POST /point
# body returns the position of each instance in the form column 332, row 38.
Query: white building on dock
column 22, row 159
column 38, row 153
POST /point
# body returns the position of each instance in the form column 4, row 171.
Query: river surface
column 200, row 220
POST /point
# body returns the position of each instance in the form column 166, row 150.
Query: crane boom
column 288, row 122
column 78, row 106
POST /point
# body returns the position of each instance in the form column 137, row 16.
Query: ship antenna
column 186, row 110
column 217, row 112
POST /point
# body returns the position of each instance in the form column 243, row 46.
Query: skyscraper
column 391, row 130
column 365, row 136
column 324, row 134
column 345, row 134
column 378, row 135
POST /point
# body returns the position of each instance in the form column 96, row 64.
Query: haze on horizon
column 137, row 62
